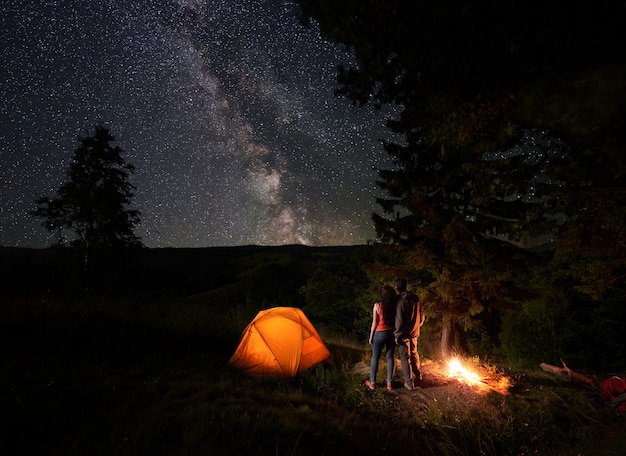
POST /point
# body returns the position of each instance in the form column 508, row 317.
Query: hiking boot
column 408, row 386
column 389, row 388
column 369, row 385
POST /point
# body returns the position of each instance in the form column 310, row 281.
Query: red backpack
column 612, row 388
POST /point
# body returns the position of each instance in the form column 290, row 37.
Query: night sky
column 224, row 107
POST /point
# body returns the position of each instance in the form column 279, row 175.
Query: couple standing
column 396, row 320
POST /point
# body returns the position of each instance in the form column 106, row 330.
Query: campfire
column 475, row 376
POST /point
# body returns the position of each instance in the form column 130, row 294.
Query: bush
column 334, row 297
column 564, row 323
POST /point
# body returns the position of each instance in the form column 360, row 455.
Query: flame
column 463, row 374
column 482, row 378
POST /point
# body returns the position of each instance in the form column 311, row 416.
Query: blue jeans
column 380, row 339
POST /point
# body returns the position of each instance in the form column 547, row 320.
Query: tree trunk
column 448, row 334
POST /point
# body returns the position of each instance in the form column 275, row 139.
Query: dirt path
column 439, row 388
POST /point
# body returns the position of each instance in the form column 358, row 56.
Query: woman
column 381, row 334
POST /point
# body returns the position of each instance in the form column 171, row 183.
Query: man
column 409, row 319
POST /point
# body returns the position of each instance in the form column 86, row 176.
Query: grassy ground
column 96, row 376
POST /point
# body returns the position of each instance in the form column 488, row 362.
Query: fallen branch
column 566, row 371
column 553, row 369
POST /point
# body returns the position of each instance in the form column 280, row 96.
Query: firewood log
column 566, row 371
column 553, row 369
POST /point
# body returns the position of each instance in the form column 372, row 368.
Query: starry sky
column 225, row 108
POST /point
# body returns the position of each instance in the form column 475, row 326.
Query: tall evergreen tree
column 92, row 204
column 90, row 211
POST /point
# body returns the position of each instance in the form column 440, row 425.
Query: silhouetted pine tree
column 90, row 211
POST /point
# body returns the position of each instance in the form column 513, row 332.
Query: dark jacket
column 409, row 316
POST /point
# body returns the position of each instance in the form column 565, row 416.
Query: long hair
column 388, row 299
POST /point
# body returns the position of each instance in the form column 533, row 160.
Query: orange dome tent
column 279, row 342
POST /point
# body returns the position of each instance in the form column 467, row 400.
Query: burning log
column 566, row 371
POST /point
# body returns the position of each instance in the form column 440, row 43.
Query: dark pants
column 410, row 359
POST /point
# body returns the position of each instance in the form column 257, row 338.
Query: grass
column 133, row 377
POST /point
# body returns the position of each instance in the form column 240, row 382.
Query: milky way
column 225, row 108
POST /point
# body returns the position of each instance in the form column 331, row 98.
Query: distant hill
column 241, row 272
